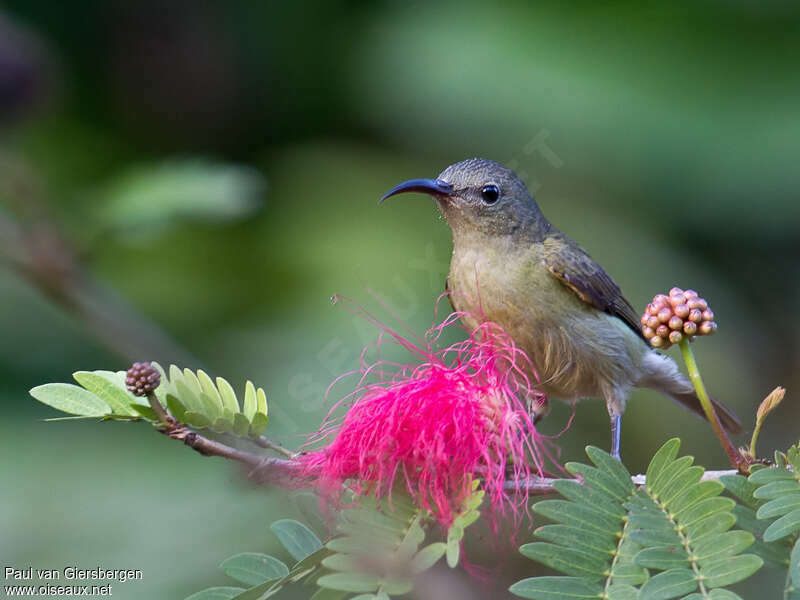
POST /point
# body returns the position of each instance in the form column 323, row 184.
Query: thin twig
column 270, row 445
column 262, row 468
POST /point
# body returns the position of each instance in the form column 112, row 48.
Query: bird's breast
column 573, row 347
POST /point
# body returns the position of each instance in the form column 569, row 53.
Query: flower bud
column 664, row 314
column 690, row 294
column 653, row 322
column 707, row 327
column 657, row 341
column 648, row 332
column 662, row 331
column 142, row 378
column 677, row 300
column 708, row 315
column 695, row 315
column 675, row 290
column 675, row 337
column 689, row 328
column 675, row 323
column 681, row 310
column 693, row 303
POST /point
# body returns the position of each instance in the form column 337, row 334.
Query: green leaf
column 453, row 550
column 720, row 546
column 556, row 588
column 577, row 515
column 298, row 539
column 730, row 570
column 665, row 484
column 250, row 402
column 566, row 560
column 779, row 506
column 396, row 587
column 681, row 487
column 259, row 424
column 600, row 480
column 668, row 584
column 715, row 594
column 663, row 558
column 662, row 458
column 253, row 568
column 693, row 495
column 197, row 420
column 176, row 408
column 208, row 387
column 427, row 557
column 241, row 426
column 794, row 564
column 189, row 398
column 145, row 411
column 605, row 462
column 739, row 486
column 261, row 402
column 216, row 593
column 784, row 526
column 580, row 539
column 598, row 499
column 622, row 591
column 106, row 386
column 349, row 582
column 777, row 488
column 771, row 474
column 70, row 399
column 709, row 506
column 342, row 562
column 328, row 594
column 228, row 396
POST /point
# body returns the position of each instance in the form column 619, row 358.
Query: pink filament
column 458, row 415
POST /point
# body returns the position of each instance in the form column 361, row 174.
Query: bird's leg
column 616, row 431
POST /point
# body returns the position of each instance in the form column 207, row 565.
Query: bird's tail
column 726, row 416
column 666, row 378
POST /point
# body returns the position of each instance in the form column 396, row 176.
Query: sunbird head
column 479, row 195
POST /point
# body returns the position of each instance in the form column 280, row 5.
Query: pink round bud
column 689, row 328
column 708, row 315
column 703, row 303
column 682, row 311
column 653, row 322
column 644, row 318
column 661, row 299
column 693, row 303
column 657, row 341
column 675, row 290
column 648, row 332
column 690, row 294
column 653, row 308
column 662, row 330
column 695, row 315
column 675, row 337
column 664, row 314
column 707, row 328
column 676, row 323
column 677, row 300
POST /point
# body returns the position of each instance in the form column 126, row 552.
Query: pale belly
column 577, row 351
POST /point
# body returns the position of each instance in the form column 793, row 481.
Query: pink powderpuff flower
column 461, row 413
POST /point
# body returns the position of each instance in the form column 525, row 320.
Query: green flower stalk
column 678, row 318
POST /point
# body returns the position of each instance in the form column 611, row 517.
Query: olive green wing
column 572, row 266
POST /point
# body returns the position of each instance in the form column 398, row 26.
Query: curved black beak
column 433, row 187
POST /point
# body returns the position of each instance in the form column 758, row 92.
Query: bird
column 513, row 267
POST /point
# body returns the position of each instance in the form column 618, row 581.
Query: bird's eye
column 490, row 194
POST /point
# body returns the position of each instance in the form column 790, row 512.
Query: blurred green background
column 191, row 181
